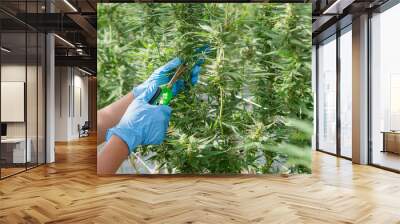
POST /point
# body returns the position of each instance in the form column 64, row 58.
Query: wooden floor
column 387, row 159
column 5, row 172
column 70, row 192
column 10, row 171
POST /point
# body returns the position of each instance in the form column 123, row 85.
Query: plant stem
column 221, row 108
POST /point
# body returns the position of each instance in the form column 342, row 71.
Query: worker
column 131, row 121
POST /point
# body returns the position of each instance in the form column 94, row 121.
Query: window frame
column 338, row 34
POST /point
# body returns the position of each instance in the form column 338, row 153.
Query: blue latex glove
column 158, row 77
column 195, row 72
column 194, row 78
column 142, row 123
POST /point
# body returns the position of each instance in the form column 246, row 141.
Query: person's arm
column 114, row 153
column 141, row 124
column 119, row 116
column 110, row 115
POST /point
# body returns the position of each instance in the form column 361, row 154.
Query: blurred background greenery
column 251, row 112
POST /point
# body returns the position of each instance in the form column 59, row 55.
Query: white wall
column 61, row 103
column 33, row 127
column 12, row 73
column 70, row 83
column 79, row 117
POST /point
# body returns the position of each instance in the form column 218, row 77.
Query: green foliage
column 260, row 52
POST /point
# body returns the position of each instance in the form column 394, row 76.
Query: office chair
column 84, row 130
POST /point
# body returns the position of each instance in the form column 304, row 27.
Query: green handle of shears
column 162, row 96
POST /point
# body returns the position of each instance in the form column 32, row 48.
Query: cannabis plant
column 250, row 112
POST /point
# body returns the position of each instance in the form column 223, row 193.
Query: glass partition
column 385, row 89
column 13, row 94
column 22, row 77
column 327, row 95
column 346, row 92
column 35, row 89
column 41, row 110
column 32, row 96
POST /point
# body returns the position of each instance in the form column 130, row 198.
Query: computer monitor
column 3, row 129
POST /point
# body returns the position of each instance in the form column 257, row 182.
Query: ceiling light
column 70, row 5
column 65, row 41
column 5, row 50
column 79, row 51
column 84, row 71
column 338, row 6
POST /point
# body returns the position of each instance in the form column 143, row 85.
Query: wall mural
column 204, row 88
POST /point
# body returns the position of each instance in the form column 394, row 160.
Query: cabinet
column 391, row 142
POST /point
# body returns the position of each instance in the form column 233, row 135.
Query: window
column 327, row 95
column 385, row 89
column 346, row 92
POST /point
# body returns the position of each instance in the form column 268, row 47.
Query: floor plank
column 69, row 191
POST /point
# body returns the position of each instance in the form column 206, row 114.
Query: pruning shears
column 164, row 94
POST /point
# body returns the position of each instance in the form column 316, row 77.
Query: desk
column 391, row 141
column 15, row 148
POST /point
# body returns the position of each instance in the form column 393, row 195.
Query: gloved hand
column 160, row 76
column 194, row 78
column 142, row 123
column 194, row 73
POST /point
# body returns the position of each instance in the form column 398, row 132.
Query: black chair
column 84, row 130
